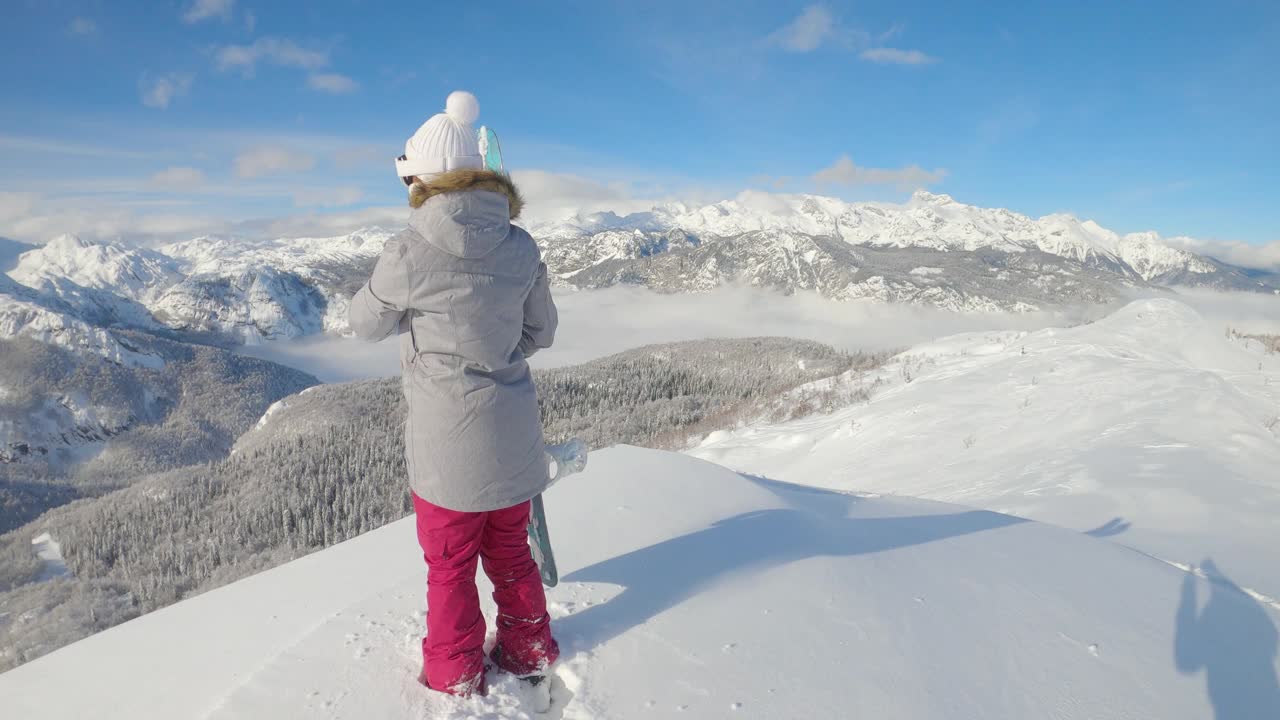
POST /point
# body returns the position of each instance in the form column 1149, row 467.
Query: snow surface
column 135, row 273
column 692, row 591
column 1149, row 426
column 23, row 317
column 274, row 408
column 49, row 551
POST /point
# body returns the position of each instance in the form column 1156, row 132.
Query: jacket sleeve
column 377, row 307
column 540, row 317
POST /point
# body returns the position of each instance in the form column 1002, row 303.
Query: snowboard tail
column 569, row 458
column 540, row 542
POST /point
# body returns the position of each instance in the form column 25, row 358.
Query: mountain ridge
column 930, row 250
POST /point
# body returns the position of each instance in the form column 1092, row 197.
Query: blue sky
column 171, row 118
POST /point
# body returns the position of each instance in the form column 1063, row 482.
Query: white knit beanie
column 446, row 141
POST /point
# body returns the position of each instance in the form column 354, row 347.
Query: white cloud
column 1248, row 312
column 35, row 219
column 277, row 51
column 327, row 224
column 201, row 10
column 362, row 156
column 250, row 22
column 161, row 91
column 332, row 83
column 596, row 323
column 82, row 26
column 1262, row 256
column 46, row 146
column 178, row 176
column 328, row 197
column 816, row 27
column 845, row 172
column 554, row 196
column 894, row 30
column 14, row 205
column 807, row 32
column 894, row 56
column 272, row 160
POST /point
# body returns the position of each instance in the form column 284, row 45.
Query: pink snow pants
column 453, row 650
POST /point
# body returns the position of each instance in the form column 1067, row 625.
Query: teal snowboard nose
column 490, row 149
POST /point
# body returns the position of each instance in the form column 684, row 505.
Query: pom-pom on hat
column 445, row 142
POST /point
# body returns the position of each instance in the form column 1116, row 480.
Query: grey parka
column 468, row 293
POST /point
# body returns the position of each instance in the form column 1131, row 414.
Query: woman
column 468, row 294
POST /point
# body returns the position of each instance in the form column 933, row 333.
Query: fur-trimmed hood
column 467, row 180
column 466, row 213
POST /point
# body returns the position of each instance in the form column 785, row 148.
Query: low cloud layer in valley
column 596, row 323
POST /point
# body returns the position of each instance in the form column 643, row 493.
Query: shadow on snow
column 1233, row 640
column 817, row 524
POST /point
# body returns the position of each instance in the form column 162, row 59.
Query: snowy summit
column 694, row 591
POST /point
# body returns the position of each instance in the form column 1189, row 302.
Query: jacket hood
column 466, row 213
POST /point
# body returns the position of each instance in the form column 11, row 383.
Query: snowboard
column 567, row 458
column 490, row 149
column 540, row 542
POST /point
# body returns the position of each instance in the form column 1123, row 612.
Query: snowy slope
column 1155, row 260
column 691, row 591
column 28, row 313
column 1149, row 426
column 134, row 273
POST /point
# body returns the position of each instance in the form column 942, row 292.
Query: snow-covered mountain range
column 72, row 292
column 931, row 250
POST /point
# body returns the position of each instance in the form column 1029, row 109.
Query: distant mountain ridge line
column 931, row 250
column 971, row 258
column 817, row 215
